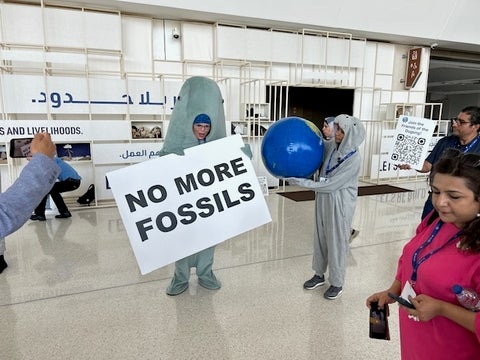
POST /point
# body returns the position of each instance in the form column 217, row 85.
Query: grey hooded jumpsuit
column 198, row 95
column 335, row 199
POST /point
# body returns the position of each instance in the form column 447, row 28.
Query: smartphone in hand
column 401, row 300
column 20, row 148
column 379, row 322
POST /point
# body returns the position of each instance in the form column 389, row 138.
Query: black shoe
column 38, row 217
column 333, row 292
column 64, row 215
column 3, row 264
column 314, row 282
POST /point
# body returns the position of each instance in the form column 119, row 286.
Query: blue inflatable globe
column 292, row 147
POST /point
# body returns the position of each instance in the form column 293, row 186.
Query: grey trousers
column 203, row 262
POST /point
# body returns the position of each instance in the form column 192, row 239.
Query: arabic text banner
column 175, row 206
column 34, row 94
column 123, row 153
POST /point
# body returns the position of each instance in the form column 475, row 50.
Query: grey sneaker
column 353, row 234
column 333, row 292
column 314, row 282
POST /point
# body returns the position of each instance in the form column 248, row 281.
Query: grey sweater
column 19, row 200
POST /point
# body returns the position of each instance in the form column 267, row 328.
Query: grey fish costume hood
column 354, row 133
column 198, row 95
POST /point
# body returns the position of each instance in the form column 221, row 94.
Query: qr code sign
column 408, row 149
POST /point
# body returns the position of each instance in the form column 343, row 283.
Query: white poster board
column 411, row 141
column 175, row 206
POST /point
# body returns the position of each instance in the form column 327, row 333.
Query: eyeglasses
column 459, row 122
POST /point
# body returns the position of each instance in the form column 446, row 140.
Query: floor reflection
column 85, row 266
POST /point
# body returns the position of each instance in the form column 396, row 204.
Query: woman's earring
column 478, row 214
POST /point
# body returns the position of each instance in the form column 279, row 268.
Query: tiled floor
column 73, row 290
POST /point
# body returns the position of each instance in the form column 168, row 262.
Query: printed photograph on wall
column 3, row 154
column 142, row 130
column 74, row 151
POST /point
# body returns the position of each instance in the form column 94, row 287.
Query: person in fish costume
column 198, row 117
column 336, row 193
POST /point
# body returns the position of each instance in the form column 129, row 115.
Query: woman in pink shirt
column 444, row 251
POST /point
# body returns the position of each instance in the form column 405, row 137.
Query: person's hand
column 293, row 180
column 381, row 298
column 42, row 143
column 404, row 166
column 426, row 308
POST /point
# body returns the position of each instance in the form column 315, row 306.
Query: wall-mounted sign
column 413, row 67
column 35, row 94
column 67, row 130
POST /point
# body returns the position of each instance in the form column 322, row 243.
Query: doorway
column 313, row 103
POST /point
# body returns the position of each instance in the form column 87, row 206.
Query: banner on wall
column 124, row 153
column 33, row 94
column 383, row 168
column 175, row 206
column 67, row 130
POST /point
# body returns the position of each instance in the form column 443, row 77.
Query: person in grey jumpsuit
column 199, row 104
column 336, row 194
column 328, row 132
column 36, row 179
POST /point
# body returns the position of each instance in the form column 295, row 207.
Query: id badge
column 408, row 290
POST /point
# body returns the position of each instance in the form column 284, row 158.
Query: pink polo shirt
column 438, row 338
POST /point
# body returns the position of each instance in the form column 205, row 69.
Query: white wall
column 423, row 21
column 138, row 53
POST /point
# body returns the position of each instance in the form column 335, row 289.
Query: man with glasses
column 465, row 137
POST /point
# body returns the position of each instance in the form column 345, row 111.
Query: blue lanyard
column 469, row 145
column 417, row 262
column 339, row 162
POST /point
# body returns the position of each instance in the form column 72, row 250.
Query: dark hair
column 474, row 113
column 465, row 166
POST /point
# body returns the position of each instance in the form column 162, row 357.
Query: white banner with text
column 34, row 94
column 67, row 130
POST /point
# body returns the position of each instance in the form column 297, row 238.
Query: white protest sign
column 175, row 206
column 411, row 141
